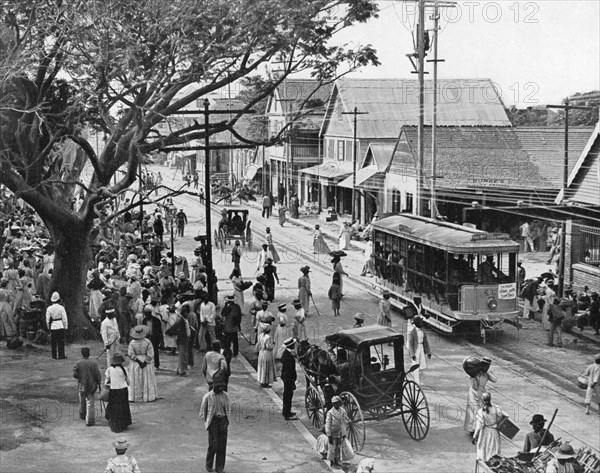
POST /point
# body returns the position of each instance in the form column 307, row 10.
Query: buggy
column 368, row 376
column 234, row 225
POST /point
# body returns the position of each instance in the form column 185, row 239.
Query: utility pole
column 212, row 280
column 435, row 60
column 563, row 238
column 421, row 126
column 355, row 112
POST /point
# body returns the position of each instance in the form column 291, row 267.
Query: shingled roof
column 470, row 157
column 392, row 103
column 546, row 148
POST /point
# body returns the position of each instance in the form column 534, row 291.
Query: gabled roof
column 470, row 157
column 546, row 148
column 294, row 92
column 392, row 103
column 583, row 166
column 379, row 154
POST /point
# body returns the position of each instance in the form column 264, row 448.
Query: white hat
column 55, row 297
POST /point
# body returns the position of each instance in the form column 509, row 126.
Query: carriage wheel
column 314, row 407
column 356, row 423
column 415, row 410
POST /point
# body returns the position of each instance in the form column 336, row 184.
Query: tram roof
column 355, row 338
column 446, row 236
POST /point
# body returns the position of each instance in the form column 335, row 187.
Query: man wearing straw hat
column 564, row 460
column 122, row 463
column 288, row 376
column 215, row 411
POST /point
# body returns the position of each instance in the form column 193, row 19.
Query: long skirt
column 282, row 333
column 95, row 301
column 473, row 404
column 488, row 443
column 118, row 414
column 266, row 367
column 320, row 246
column 8, row 326
column 275, row 255
column 142, row 383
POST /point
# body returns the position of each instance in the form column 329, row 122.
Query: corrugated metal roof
column 330, row 169
column 298, row 90
column 471, row 158
column 546, row 148
column 361, row 176
column 391, row 103
column 380, row 154
column 447, row 237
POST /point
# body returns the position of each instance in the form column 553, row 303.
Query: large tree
column 123, row 66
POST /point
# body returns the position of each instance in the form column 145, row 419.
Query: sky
column 536, row 52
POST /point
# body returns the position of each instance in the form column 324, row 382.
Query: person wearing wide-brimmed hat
column 122, row 463
column 477, row 387
column 359, row 320
column 117, row 411
column 304, row 289
column 533, row 439
column 288, row 376
column 215, row 412
column 57, row 322
column 142, row 379
column 299, row 329
column 564, row 461
column 487, row 435
column 592, row 372
column 283, row 330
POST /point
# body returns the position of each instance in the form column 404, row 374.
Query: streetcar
column 368, row 376
column 459, row 278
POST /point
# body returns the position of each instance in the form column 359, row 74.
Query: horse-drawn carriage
column 234, row 225
column 368, row 375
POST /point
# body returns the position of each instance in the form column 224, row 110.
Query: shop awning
column 334, row 170
column 251, row 171
column 361, row 176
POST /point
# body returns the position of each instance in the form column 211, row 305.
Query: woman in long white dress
column 274, row 254
column 548, row 296
column 418, row 348
column 477, row 387
column 266, row 374
column 142, row 379
column 344, row 237
column 8, row 324
column 283, row 331
column 487, row 435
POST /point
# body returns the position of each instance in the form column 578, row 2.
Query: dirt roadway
column 40, row 429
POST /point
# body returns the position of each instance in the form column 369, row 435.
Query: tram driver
column 486, row 271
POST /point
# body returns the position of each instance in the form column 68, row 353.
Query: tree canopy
column 121, row 67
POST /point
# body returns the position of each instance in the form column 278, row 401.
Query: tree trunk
column 71, row 258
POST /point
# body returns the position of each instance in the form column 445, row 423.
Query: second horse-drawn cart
column 368, row 375
column 234, row 225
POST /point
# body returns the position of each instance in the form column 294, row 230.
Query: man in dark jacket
column 159, row 227
column 231, row 314
column 288, row 376
column 87, row 374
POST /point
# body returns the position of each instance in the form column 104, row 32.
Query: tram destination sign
column 489, row 236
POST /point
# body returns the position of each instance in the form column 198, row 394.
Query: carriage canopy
column 356, row 338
